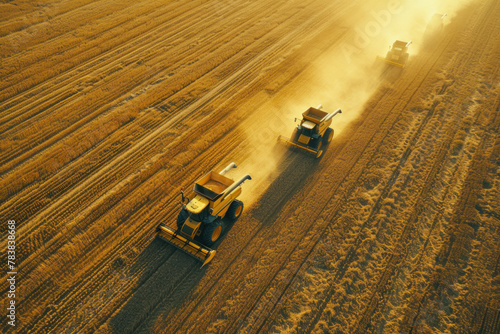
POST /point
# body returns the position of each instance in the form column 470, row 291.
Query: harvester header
column 398, row 54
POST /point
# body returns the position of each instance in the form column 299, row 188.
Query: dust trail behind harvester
column 410, row 20
column 345, row 77
column 349, row 75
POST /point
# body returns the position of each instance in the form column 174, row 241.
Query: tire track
column 355, row 182
column 171, row 329
column 313, row 322
column 108, row 106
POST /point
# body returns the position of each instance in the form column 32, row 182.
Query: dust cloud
column 349, row 75
column 345, row 77
column 411, row 18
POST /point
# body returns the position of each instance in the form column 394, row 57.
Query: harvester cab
column 200, row 221
column 434, row 27
column 397, row 54
column 435, row 23
column 313, row 131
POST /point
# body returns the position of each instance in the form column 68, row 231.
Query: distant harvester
column 398, row 54
column 313, row 131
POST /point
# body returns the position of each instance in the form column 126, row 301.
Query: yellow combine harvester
column 199, row 223
column 398, row 54
column 313, row 131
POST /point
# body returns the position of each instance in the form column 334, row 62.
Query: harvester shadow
column 168, row 277
column 286, row 184
column 385, row 72
column 391, row 73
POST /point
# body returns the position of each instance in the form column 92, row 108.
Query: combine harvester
column 435, row 24
column 398, row 54
column 313, row 131
column 199, row 224
column 434, row 28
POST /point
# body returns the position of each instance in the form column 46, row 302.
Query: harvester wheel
column 327, row 137
column 212, row 233
column 315, row 144
column 181, row 218
column 235, row 210
column 295, row 136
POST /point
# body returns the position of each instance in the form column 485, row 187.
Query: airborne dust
column 344, row 77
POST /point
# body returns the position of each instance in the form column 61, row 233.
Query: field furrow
column 108, row 109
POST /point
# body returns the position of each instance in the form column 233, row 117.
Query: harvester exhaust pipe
column 408, row 44
column 320, row 106
column 236, row 185
column 329, row 116
column 228, row 168
column 183, row 198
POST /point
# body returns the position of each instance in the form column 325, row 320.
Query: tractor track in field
column 324, row 229
column 192, row 108
column 63, row 239
column 458, row 233
column 376, row 297
column 83, row 286
column 395, row 174
column 145, row 97
column 380, row 197
column 114, row 62
column 266, row 237
column 120, row 159
column 167, row 296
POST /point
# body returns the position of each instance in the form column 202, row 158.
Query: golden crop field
column 109, row 108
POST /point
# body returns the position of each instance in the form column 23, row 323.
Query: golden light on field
column 108, row 109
